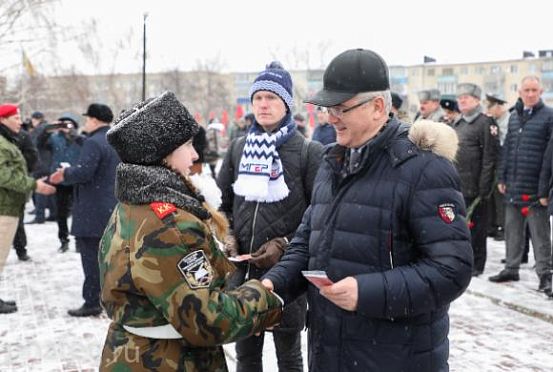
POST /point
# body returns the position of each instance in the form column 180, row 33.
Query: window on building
column 447, row 71
column 514, row 69
column 447, row 87
column 532, row 68
column 480, row 70
column 547, row 66
column 430, row 72
column 464, row 70
column 514, row 87
column 495, row 69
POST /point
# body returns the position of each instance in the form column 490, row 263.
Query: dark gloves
column 231, row 246
column 269, row 253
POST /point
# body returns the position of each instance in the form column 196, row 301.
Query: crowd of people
column 190, row 238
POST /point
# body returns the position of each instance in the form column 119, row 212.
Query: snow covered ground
column 494, row 327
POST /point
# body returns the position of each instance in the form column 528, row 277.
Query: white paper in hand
column 317, row 278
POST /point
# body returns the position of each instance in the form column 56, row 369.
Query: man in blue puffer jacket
column 386, row 224
column 525, row 184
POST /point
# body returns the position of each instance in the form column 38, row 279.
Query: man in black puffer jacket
column 525, row 185
column 266, row 180
column 386, row 224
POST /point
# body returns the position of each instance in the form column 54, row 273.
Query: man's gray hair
column 531, row 77
column 385, row 94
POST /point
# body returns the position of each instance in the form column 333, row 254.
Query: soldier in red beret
column 15, row 186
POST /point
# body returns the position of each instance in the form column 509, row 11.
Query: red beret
column 8, row 110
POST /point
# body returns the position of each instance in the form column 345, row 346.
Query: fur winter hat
column 277, row 80
column 469, row 89
column 151, row 130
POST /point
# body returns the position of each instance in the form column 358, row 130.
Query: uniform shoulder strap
column 162, row 209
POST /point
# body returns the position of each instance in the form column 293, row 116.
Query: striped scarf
column 260, row 175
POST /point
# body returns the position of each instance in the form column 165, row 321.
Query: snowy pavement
column 494, row 327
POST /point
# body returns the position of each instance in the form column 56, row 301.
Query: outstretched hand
column 43, row 188
column 57, row 177
column 343, row 293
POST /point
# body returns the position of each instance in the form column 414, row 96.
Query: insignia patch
column 494, row 130
column 196, row 269
column 162, row 209
column 447, row 212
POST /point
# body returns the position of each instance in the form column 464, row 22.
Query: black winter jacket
column 397, row 225
column 255, row 223
column 477, row 155
column 523, row 163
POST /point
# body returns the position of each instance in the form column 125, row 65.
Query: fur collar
column 438, row 138
column 139, row 184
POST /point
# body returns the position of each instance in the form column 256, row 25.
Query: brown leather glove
column 231, row 246
column 269, row 253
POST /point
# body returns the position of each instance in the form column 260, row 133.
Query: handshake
column 265, row 257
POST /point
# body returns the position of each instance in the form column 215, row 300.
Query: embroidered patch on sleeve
column 446, row 212
column 196, row 269
column 494, row 130
column 162, row 209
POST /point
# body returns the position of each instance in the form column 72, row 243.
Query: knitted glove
column 269, row 253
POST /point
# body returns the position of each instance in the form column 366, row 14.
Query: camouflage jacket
column 15, row 184
column 160, row 264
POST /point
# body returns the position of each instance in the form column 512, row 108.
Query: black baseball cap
column 351, row 72
column 99, row 111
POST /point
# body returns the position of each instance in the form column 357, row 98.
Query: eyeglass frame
column 340, row 113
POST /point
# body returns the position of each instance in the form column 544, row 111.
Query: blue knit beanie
column 277, row 80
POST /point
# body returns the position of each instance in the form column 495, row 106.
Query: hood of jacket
column 438, row 138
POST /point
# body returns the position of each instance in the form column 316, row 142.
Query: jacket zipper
column 390, row 248
column 252, row 239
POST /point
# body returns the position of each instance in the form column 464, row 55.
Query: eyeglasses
column 339, row 112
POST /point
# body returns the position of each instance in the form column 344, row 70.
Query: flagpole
column 144, row 60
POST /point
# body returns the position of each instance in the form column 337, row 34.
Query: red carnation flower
column 525, row 197
column 470, row 224
column 524, row 211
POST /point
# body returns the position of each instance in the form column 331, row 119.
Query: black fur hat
column 151, row 130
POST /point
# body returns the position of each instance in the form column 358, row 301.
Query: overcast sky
column 248, row 34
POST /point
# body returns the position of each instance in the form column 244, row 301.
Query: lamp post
column 144, row 60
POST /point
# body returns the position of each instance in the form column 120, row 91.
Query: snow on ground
column 494, row 327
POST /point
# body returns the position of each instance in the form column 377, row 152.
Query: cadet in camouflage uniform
column 162, row 273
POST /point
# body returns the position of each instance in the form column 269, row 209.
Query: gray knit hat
column 151, row 130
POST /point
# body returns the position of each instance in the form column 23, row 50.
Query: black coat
column 94, row 180
column 397, row 225
column 478, row 154
column 255, row 223
column 43, row 166
column 523, row 162
column 28, row 149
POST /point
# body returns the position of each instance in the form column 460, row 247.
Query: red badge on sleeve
column 446, row 212
column 162, row 209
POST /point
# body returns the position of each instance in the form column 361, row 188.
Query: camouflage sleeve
column 14, row 178
column 178, row 268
